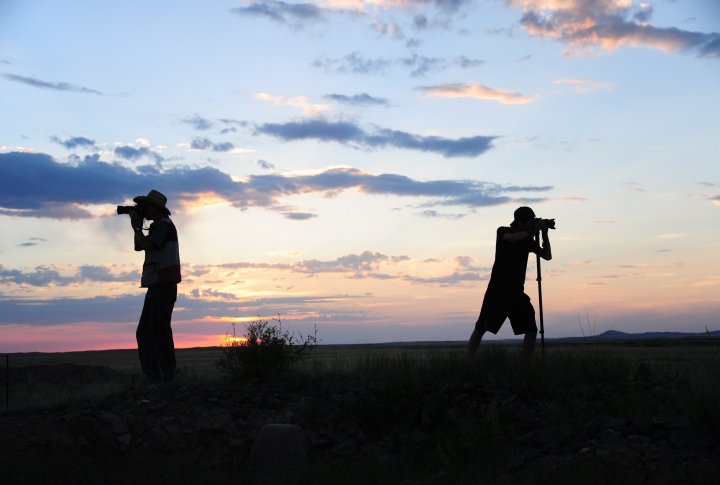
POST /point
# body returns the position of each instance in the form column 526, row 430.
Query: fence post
column 7, row 382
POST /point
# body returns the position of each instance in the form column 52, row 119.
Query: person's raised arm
column 140, row 240
column 545, row 251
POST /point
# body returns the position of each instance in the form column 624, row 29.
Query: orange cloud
column 585, row 85
column 477, row 91
column 607, row 25
column 301, row 102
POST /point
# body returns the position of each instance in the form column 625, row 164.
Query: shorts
column 499, row 305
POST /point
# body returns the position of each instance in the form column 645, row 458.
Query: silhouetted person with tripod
column 161, row 275
column 505, row 296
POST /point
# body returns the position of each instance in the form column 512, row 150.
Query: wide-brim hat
column 155, row 198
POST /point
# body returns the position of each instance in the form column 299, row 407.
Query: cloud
column 430, row 213
column 349, row 133
column 198, row 122
column 453, row 279
column 131, row 153
column 465, row 271
column 417, row 65
column 353, row 63
column 587, row 25
column 300, row 15
column 420, row 66
column 265, row 165
column 209, row 293
column 33, row 241
column 44, row 276
column 69, row 310
column 65, row 188
column 56, row 86
column 387, row 29
column 295, row 14
column 74, row 142
column 447, row 6
column 299, row 216
column 199, row 143
column 468, row 63
column 229, row 121
column 362, row 99
column 301, row 102
column 340, row 131
column 207, row 304
column 366, row 261
column 476, row 91
column 716, row 200
column 585, row 85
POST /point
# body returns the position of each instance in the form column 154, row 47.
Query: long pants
column 154, row 335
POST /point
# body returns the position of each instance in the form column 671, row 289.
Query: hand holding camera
column 544, row 224
column 135, row 212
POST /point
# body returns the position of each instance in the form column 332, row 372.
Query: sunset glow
column 346, row 163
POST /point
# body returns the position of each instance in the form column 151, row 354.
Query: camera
column 128, row 209
column 545, row 223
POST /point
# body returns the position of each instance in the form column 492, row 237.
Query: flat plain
column 635, row 411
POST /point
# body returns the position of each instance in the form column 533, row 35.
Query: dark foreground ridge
column 441, row 420
column 615, row 334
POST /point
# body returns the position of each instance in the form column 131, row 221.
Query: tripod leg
column 539, row 281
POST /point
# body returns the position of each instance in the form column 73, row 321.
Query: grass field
column 583, row 411
column 198, row 364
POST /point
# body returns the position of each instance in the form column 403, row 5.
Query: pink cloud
column 476, row 91
column 588, row 25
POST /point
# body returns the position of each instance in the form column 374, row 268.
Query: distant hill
column 615, row 334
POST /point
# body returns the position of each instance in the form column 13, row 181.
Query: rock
column 171, row 427
column 279, row 451
column 538, row 438
column 601, row 423
column 418, row 437
column 158, row 439
column 223, row 423
column 689, row 439
column 124, row 440
column 115, row 423
column 317, row 440
column 346, row 448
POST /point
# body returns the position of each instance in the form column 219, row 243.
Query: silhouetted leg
column 476, row 338
column 145, row 338
column 529, row 342
column 164, row 345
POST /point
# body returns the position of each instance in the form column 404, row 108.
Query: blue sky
column 346, row 163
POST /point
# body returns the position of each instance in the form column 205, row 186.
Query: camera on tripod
column 541, row 224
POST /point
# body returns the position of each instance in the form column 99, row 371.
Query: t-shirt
column 508, row 272
column 162, row 259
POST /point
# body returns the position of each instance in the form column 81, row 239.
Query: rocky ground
column 472, row 432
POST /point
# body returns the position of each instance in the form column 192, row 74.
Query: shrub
column 265, row 350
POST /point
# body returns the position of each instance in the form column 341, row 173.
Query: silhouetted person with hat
column 505, row 296
column 160, row 275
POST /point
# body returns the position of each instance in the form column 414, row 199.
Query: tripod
column 539, row 282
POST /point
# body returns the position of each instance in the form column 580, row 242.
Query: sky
column 345, row 164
